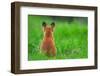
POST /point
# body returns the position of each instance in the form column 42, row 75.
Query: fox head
column 48, row 30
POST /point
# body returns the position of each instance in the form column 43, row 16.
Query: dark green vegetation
column 70, row 35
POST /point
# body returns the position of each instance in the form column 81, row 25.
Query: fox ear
column 53, row 24
column 44, row 24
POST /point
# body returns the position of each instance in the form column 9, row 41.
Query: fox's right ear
column 44, row 24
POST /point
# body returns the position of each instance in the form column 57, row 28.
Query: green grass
column 71, row 39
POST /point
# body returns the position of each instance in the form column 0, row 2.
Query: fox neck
column 48, row 36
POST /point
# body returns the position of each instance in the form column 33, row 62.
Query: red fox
column 48, row 44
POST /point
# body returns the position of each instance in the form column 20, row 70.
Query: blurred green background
column 70, row 36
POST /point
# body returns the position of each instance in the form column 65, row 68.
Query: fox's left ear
column 44, row 24
column 53, row 24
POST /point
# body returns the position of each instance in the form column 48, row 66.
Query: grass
column 70, row 38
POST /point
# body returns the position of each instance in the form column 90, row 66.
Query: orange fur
column 48, row 45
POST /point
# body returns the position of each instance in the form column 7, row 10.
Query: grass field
column 71, row 38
